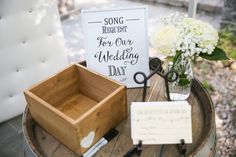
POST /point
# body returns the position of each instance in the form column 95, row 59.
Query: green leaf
column 208, row 86
column 183, row 81
column 170, row 58
column 177, row 55
column 217, row 54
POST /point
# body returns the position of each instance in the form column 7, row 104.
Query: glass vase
column 181, row 88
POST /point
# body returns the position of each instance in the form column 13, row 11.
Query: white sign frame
column 130, row 28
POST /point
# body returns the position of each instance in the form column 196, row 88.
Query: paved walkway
column 11, row 138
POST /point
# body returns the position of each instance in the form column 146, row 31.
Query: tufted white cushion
column 31, row 49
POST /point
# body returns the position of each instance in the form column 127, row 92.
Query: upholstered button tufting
column 24, row 50
column 43, row 61
column 17, row 69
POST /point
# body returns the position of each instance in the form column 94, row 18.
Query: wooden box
column 77, row 106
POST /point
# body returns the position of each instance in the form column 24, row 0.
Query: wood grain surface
column 202, row 122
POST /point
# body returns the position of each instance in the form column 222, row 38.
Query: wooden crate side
column 104, row 116
column 96, row 73
column 57, row 88
column 53, row 121
column 76, row 105
column 94, row 85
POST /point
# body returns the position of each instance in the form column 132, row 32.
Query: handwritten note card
column 116, row 42
column 161, row 122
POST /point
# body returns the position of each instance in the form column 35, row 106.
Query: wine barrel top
column 44, row 144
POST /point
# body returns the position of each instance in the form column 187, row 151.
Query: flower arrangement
column 182, row 39
column 178, row 33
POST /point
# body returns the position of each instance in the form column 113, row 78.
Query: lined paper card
column 161, row 122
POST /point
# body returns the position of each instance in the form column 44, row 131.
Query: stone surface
column 13, row 147
column 229, row 15
column 16, row 123
column 211, row 6
column 65, row 6
column 223, row 79
column 6, row 132
column 214, row 6
column 11, row 138
column 233, row 66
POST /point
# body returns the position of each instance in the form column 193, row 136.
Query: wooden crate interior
column 75, row 90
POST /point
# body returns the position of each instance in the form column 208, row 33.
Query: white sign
column 116, row 42
column 161, row 122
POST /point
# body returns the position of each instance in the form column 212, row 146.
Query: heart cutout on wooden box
column 87, row 141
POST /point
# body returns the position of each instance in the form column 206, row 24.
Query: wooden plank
column 124, row 142
column 157, row 92
column 63, row 151
column 198, row 122
column 106, row 151
column 132, row 94
column 107, row 114
column 94, row 85
column 76, row 105
column 57, row 88
column 44, row 139
column 54, row 122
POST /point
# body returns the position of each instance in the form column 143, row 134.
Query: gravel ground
column 223, row 81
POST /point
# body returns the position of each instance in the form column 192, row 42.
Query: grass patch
column 227, row 42
column 208, row 86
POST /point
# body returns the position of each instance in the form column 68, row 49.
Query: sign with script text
column 161, row 122
column 116, row 42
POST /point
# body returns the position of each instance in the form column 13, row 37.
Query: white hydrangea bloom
column 188, row 35
column 165, row 38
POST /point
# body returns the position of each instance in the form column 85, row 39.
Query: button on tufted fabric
column 27, row 53
column 43, row 61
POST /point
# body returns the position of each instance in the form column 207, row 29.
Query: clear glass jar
column 181, row 88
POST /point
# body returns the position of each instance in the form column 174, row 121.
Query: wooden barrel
column 39, row 143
